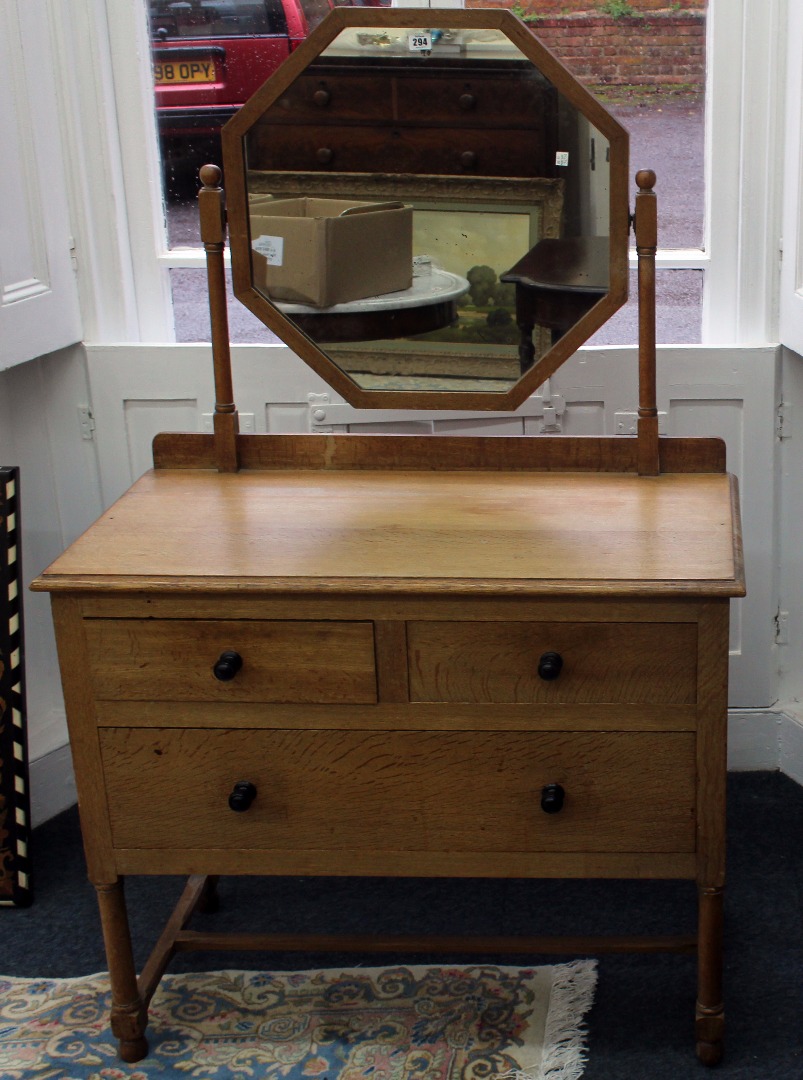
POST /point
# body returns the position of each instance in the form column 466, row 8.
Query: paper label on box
column 272, row 247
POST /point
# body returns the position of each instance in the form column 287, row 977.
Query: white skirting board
column 791, row 744
column 754, row 739
column 767, row 739
column 757, row 739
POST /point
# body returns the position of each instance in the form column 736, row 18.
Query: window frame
column 791, row 300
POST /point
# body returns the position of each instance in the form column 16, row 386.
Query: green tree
column 481, row 280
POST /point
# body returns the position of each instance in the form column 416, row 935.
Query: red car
column 209, row 56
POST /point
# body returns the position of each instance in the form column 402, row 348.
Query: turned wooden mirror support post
column 646, row 229
column 212, row 211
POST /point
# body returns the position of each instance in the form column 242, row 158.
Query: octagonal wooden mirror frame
column 522, row 38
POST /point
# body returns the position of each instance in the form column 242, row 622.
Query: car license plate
column 172, row 72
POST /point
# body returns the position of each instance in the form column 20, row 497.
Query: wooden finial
column 645, row 178
column 211, row 175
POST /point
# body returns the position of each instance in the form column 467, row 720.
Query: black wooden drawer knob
column 242, row 795
column 321, row 98
column 324, row 155
column 468, row 159
column 552, row 797
column 467, row 101
column 227, row 665
column 550, row 666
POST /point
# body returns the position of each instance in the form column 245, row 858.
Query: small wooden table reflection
column 557, row 282
column 429, row 304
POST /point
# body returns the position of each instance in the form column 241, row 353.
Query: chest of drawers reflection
column 454, row 118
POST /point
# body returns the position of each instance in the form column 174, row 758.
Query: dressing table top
column 515, row 532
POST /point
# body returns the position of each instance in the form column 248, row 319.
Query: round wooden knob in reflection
column 467, row 101
column 468, row 159
column 324, row 155
column 552, row 798
column 321, row 98
column 242, row 795
column 550, row 666
column 227, row 665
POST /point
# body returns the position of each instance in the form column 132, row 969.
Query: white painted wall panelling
column 790, row 653
column 59, row 498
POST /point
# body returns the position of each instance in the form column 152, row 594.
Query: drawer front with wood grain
column 312, row 99
column 195, row 660
column 401, row 791
column 553, row 662
column 398, row 149
column 474, row 102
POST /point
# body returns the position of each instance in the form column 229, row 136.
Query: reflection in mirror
column 428, row 208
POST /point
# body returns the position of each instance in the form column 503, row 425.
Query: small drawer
column 307, row 147
column 325, row 99
column 175, row 660
column 401, row 791
column 510, row 662
column 478, row 102
column 477, row 151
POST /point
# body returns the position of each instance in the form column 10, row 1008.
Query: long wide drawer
column 473, row 151
column 598, row 662
column 282, row 661
column 403, row 791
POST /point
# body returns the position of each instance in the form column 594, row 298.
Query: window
column 660, row 99
column 736, row 261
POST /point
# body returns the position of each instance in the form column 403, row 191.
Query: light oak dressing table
column 253, row 689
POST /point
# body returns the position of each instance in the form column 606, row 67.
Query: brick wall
column 552, row 8
column 658, row 51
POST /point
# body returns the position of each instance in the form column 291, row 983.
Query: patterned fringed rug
column 404, row 1023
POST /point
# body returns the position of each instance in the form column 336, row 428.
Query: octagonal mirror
column 429, row 216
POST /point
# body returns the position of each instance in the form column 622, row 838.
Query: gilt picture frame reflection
column 473, row 228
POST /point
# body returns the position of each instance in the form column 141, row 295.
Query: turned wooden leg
column 526, row 325
column 710, row 1023
column 129, row 1016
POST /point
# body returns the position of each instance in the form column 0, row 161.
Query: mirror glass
column 428, row 208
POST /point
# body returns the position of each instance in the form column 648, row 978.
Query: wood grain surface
column 498, row 662
column 172, row 660
column 383, row 531
column 561, row 453
column 425, row 791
